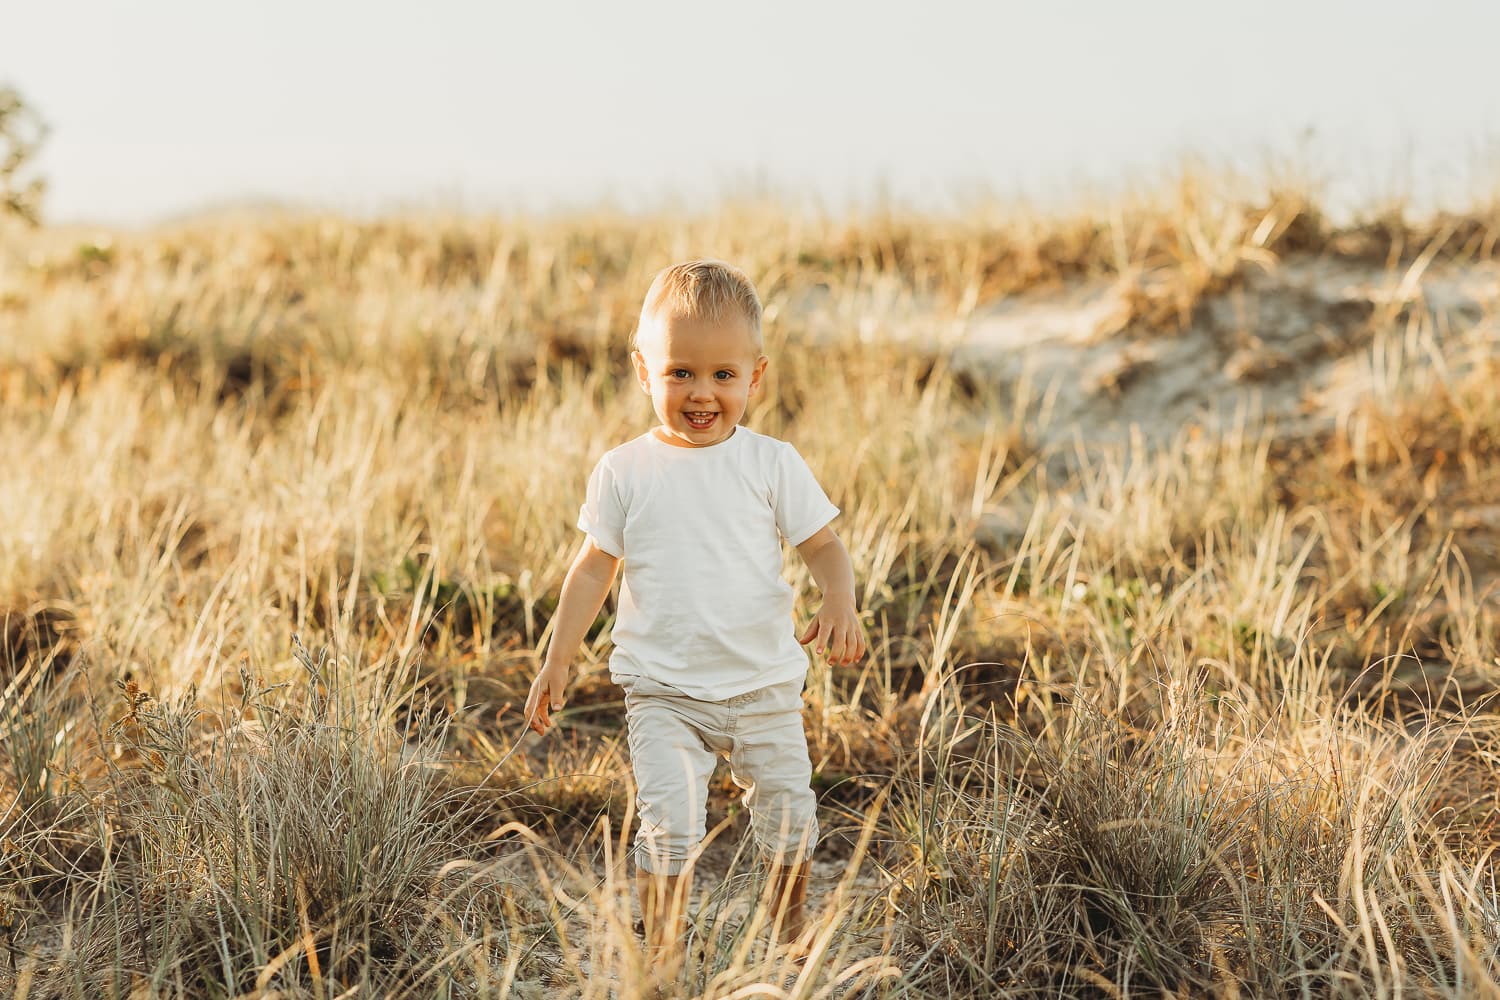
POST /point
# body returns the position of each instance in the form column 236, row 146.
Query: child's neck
column 661, row 435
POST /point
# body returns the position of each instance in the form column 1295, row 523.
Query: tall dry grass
column 1210, row 718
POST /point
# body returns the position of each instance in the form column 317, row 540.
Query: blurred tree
column 21, row 135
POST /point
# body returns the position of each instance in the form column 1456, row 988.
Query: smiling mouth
column 700, row 420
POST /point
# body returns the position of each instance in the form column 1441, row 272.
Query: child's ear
column 642, row 373
column 757, row 373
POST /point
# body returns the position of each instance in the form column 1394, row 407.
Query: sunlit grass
column 1206, row 716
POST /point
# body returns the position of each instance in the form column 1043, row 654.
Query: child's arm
column 583, row 593
column 836, row 626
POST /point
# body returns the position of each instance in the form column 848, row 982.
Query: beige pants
column 675, row 741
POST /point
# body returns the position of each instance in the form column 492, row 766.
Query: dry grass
column 1209, row 719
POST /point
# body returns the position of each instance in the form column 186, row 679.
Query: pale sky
column 163, row 107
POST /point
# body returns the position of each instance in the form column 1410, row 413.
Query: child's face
column 700, row 376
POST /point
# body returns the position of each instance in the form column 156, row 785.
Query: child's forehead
column 687, row 338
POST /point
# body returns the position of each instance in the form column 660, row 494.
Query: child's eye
column 723, row 376
column 681, row 373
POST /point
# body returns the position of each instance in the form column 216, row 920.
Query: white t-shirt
column 703, row 606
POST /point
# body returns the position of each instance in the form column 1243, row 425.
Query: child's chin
column 712, row 434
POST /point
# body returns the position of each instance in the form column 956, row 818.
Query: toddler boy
column 704, row 644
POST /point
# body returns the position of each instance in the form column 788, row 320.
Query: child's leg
column 672, row 765
column 663, row 900
column 788, row 889
column 770, row 760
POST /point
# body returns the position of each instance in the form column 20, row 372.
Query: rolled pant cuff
column 652, row 864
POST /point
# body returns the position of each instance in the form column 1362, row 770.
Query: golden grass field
column 1204, row 710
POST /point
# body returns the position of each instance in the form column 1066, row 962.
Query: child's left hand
column 837, row 628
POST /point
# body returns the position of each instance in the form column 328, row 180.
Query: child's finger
column 845, row 651
column 827, row 645
column 809, row 633
column 538, row 718
column 836, row 645
column 855, row 646
column 542, row 721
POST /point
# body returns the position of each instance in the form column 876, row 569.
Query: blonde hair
column 709, row 290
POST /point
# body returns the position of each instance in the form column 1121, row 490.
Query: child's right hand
column 546, row 697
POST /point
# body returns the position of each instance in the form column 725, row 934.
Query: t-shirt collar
column 736, row 433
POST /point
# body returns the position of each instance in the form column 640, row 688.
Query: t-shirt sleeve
column 602, row 515
column 801, row 505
